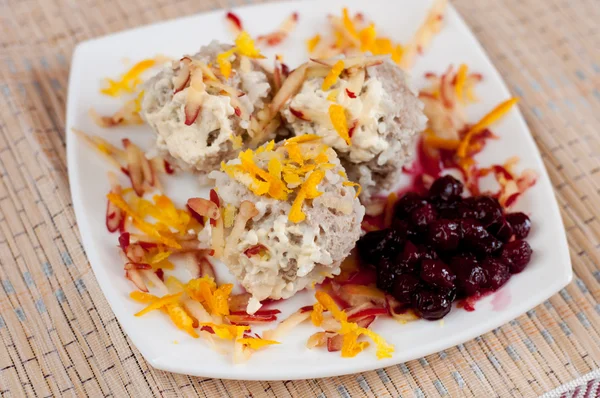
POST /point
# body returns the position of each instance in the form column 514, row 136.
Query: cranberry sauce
column 442, row 247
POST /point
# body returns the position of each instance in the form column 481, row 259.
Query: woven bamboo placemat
column 58, row 335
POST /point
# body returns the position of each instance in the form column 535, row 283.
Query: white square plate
column 154, row 335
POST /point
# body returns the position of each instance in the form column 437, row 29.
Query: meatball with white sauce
column 383, row 117
column 305, row 217
column 204, row 108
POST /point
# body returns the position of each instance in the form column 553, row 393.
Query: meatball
column 384, row 117
column 200, row 116
column 307, row 217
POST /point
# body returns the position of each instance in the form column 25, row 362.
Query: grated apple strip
column 246, row 212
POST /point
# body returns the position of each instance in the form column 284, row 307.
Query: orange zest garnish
column 384, row 350
column 224, row 62
column 312, row 43
column 164, row 211
column 301, row 171
column 337, row 114
column 227, row 332
column 433, row 141
column 353, row 184
column 160, row 303
column 302, row 138
column 138, row 221
column 348, row 24
column 350, row 346
column 327, row 302
column 129, row 80
column 143, row 297
column 308, row 190
column 244, row 45
column 181, row 319
column 367, row 37
column 205, row 291
column 461, row 79
column 316, row 316
column 497, row 113
column 333, row 75
column 255, row 343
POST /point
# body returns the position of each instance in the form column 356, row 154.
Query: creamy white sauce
column 216, row 124
column 284, row 240
column 368, row 139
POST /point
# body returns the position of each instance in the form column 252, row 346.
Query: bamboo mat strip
column 59, row 336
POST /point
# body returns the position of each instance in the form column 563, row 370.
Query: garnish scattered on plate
column 289, row 154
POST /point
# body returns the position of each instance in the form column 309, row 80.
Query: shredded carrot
column 255, row 343
column 433, row 141
column 308, row 190
column 493, row 116
column 245, row 46
column 316, row 316
column 337, row 114
column 353, row 184
column 205, row 291
column 129, row 80
column 327, row 302
column 351, row 346
column 296, row 215
column 224, row 62
column 333, row 75
column 181, row 319
column 160, row 303
column 367, row 37
column 302, row 138
column 461, row 79
column 348, row 24
column 313, row 42
column 227, row 332
column 143, row 297
column 139, row 222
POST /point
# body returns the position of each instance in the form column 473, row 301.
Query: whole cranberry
column 476, row 237
column 449, row 293
column 431, row 305
column 520, row 223
column 405, row 229
column 448, row 210
column 407, row 203
column 502, row 230
column 471, row 280
column 444, row 234
column 404, row 287
column 422, row 216
column 375, row 245
column 386, row 274
column 427, row 253
column 410, row 254
column 436, row 273
column 516, row 255
column 465, row 209
column 464, row 261
column 487, row 209
column 488, row 245
column 404, row 267
column 472, row 231
column 497, row 273
column 446, row 188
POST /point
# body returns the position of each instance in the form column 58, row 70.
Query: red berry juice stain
column 501, row 300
